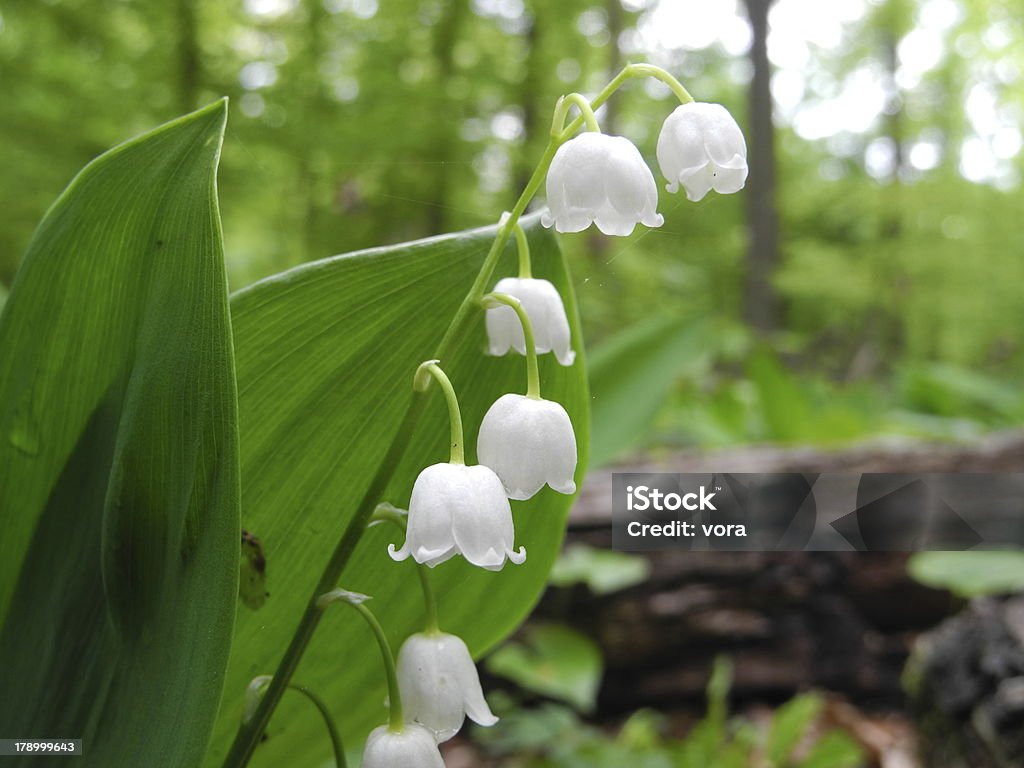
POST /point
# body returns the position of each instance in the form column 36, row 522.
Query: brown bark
column 840, row 621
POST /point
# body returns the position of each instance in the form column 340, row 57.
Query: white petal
column 459, row 662
column 573, row 184
column 698, row 182
column 723, row 138
column 431, row 689
column 543, row 306
column 504, row 331
column 429, row 534
column 611, row 222
column 728, row 180
column 528, row 443
column 681, row 143
column 414, row 747
column 630, row 183
column 482, row 521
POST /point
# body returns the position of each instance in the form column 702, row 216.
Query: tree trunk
column 761, row 304
column 188, row 55
column 615, row 22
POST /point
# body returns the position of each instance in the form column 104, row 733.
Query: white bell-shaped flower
column 440, row 684
column 543, row 306
column 459, row 510
column 412, row 747
column 702, row 148
column 603, row 180
column 528, row 442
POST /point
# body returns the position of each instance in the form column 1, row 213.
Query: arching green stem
column 396, row 722
column 421, row 381
column 649, row 70
column 562, row 110
column 259, row 685
column 532, row 371
column 399, row 517
column 523, row 249
column 332, row 730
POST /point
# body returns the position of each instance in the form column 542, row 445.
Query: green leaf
column 602, row 570
column 326, row 355
column 790, row 723
column 553, row 661
column 834, row 750
column 119, row 457
column 631, row 376
column 970, row 574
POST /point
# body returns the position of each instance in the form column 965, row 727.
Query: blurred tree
column 760, row 302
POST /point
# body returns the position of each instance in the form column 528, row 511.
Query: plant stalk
column 248, row 736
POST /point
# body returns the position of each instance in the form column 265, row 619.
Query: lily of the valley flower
column 412, row 747
column 528, row 442
column 459, row 510
column 702, row 148
column 603, row 180
column 440, row 684
column 544, row 306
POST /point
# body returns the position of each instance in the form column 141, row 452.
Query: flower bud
column 440, row 684
column 528, row 442
column 702, row 148
column 603, row 180
column 543, row 306
column 412, row 747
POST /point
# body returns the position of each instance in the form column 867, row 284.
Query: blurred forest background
column 868, row 282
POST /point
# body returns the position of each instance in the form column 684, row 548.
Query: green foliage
column 970, row 574
column 602, row 570
column 877, row 279
column 773, row 401
column 554, row 661
column 119, row 451
column 632, row 374
column 325, row 357
column 552, row 736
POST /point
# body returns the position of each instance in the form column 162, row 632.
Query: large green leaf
column 326, row 354
column 119, row 459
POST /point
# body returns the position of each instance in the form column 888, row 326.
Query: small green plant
column 553, row 736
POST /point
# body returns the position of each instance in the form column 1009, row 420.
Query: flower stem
column 430, row 624
column 258, row 687
column 421, row 381
column 523, row 249
column 391, row 514
column 396, row 721
column 248, row 737
column 332, row 730
column 562, row 110
column 532, row 370
column 649, row 70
